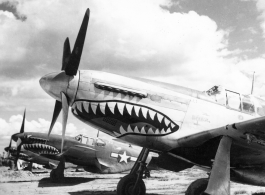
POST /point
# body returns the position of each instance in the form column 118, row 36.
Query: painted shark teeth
column 143, row 131
column 94, row 107
column 79, row 105
column 150, row 131
column 129, row 108
column 86, row 106
column 136, row 109
column 129, row 129
column 166, row 121
column 121, row 107
column 111, row 106
column 122, row 130
column 144, row 111
column 151, row 114
column 134, row 117
column 136, row 130
column 102, row 107
column 172, row 125
column 159, row 117
column 41, row 148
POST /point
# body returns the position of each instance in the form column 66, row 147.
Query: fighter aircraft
column 94, row 154
column 219, row 130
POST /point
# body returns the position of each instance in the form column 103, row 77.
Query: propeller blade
column 23, row 123
column 10, row 142
column 73, row 64
column 8, row 155
column 56, row 112
column 65, row 116
column 7, row 150
column 66, row 53
column 18, row 150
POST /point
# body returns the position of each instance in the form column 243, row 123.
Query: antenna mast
column 253, row 81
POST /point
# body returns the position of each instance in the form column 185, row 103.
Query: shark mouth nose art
column 21, row 156
column 38, row 145
column 125, row 118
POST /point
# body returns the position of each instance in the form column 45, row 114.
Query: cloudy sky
column 194, row 43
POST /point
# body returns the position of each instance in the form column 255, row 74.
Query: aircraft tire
column 11, row 165
column 55, row 177
column 126, row 184
column 197, row 187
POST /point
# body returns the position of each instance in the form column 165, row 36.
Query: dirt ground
column 80, row 183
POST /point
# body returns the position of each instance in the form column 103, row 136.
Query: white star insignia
column 124, row 157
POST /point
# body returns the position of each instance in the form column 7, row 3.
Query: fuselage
column 94, row 154
column 149, row 113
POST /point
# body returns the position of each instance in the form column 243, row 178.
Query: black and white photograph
column 132, row 97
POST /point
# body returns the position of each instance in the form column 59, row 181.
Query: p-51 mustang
column 219, row 130
column 95, row 155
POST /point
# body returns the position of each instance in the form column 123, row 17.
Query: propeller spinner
column 57, row 84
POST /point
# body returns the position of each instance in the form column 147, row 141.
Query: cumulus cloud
column 135, row 38
column 11, row 7
column 132, row 37
column 12, row 126
column 16, row 95
column 125, row 37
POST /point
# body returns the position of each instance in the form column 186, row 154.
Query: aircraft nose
column 54, row 84
column 18, row 135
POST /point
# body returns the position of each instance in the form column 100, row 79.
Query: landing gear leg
column 57, row 175
column 133, row 184
column 146, row 173
column 219, row 181
column 29, row 167
column 11, row 165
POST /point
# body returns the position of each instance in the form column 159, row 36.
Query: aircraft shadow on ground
column 67, row 181
column 86, row 192
column 39, row 172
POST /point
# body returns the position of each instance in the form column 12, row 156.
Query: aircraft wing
column 248, row 142
column 253, row 131
column 255, row 126
column 250, row 132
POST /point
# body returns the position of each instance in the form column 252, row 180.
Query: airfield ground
column 81, row 183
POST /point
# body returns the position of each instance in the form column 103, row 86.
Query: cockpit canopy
column 89, row 141
column 232, row 100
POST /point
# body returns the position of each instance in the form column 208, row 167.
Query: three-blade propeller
column 19, row 143
column 70, row 64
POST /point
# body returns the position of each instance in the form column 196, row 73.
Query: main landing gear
column 57, row 175
column 219, row 180
column 197, row 187
column 133, row 184
column 29, row 167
